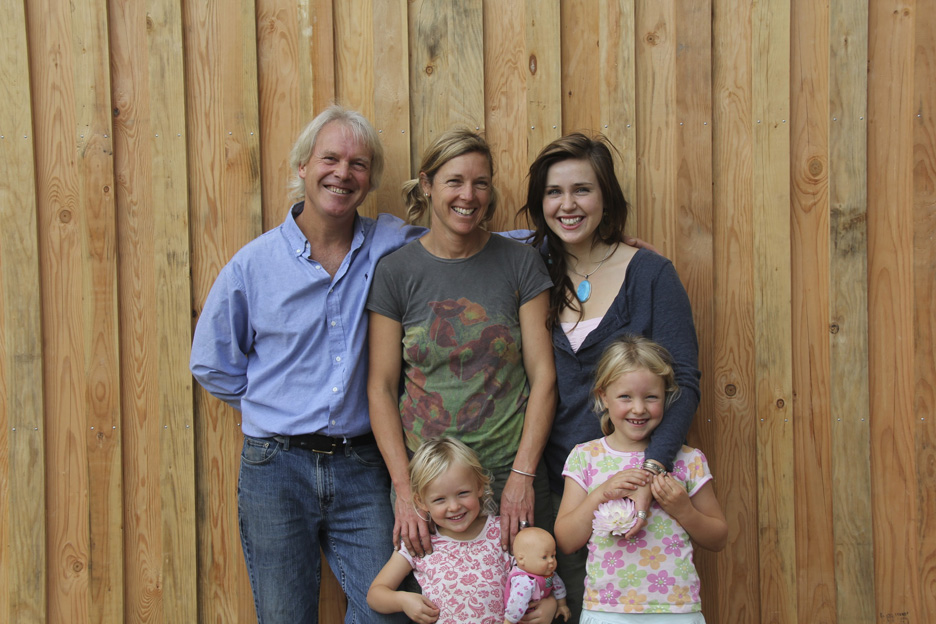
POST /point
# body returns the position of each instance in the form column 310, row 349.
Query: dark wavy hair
column 598, row 152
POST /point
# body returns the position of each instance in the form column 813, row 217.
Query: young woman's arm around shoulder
column 701, row 515
column 383, row 383
column 384, row 597
column 517, row 499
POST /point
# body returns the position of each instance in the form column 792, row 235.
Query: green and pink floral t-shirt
column 463, row 372
column 654, row 571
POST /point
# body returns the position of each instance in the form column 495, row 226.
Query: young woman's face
column 635, row 402
column 460, row 194
column 453, row 499
column 572, row 204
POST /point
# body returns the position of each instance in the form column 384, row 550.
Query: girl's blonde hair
column 437, row 455
column 449, row 145
column 627, row 354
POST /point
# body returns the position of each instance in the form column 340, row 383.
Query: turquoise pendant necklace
column 584, row 290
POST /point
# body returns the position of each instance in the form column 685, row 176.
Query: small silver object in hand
column 524, row 524
column 641, row 514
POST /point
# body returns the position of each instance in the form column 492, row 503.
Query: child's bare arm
column 384, row 597
column 701, row 516
column 577, row 509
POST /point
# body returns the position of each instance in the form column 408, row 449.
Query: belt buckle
column 331, row 452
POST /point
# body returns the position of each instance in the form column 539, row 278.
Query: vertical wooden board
column 155, row 321
column 446, row 70
column 319, row 23
column 580, row 43
column 848, row 307
column 772, row 303
column 139, row 391
column 809, row 181
column 734, row 356
column 924, row 292
column 283, row 62
column 225, row 213
column 391, row 101
column 22, row 430
column 693, row 250
column 618, row 91
column 891, row 26
column 354, row 66
column 507, row 125
column 78, row 262
column 543, row 71
column 655, row 38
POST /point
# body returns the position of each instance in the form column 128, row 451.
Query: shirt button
column 335, row 389
column 333, row 323
column 317, row 267
column 338, row 359
column 333, row 422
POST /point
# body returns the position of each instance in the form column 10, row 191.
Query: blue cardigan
column 652, row 302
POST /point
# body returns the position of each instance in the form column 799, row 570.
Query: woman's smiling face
column 460, row 194
column 572, row 203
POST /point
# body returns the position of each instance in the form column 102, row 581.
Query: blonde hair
column 629, row 353
column 449, row 145
column 437, row 455
column 361, row 130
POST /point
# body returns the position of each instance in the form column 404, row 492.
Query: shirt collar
column 299, row 244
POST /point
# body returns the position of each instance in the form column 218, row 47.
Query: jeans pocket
column 259, row 451
column 367, row 455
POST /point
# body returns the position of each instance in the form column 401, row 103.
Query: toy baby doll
column 532, row 577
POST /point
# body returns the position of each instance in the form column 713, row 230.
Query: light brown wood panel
column 225, row 208
column 617, row 91
column 446, row 70
column 507, row 124
column 924, row 290
column 22, row 426
column 152, row 221
column 285, row 106
column 774, row 365
column 693, row 250
column 739, row 591
column 579, row 32
column 543, row 72
column 809, row 112
column 78, row 264
column 655, row 43
column 890, row 310
column 391, row 100
column 848, row 312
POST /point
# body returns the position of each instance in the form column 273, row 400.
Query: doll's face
column 537, row 553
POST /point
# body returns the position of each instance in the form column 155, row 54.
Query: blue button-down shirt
column 284, row 342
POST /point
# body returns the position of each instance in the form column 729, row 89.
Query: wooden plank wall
column 782, row 153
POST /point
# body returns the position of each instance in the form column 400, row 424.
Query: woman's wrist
column 652, row 465
column 523, row 472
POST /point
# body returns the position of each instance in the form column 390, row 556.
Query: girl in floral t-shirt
column 653, row 572
column 464, row 576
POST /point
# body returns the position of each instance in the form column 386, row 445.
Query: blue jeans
column 292, row 502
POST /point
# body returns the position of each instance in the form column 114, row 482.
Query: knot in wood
column 731, row 390
column 533, row 64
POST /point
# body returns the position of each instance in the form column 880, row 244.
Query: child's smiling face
column 635, row 402
column 453, row 500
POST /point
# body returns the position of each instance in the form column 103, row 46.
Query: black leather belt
column 324, row 444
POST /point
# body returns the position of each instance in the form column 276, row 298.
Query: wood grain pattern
column 776, row 417
column 810, row 270
column 446, row 70
column 739, row 595
column 391, row 100
column 655, row 43
column 848, row 312
column 155, row 145
column 22, row 428
column 693, row 221
column 507, row 124
column 924, row 291
column 890, row 309
column 224, row 199
column 543, row 73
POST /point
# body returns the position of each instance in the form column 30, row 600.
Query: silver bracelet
column 525, row 474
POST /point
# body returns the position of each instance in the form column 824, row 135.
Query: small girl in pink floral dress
column 463, row 579
column 653, row 572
